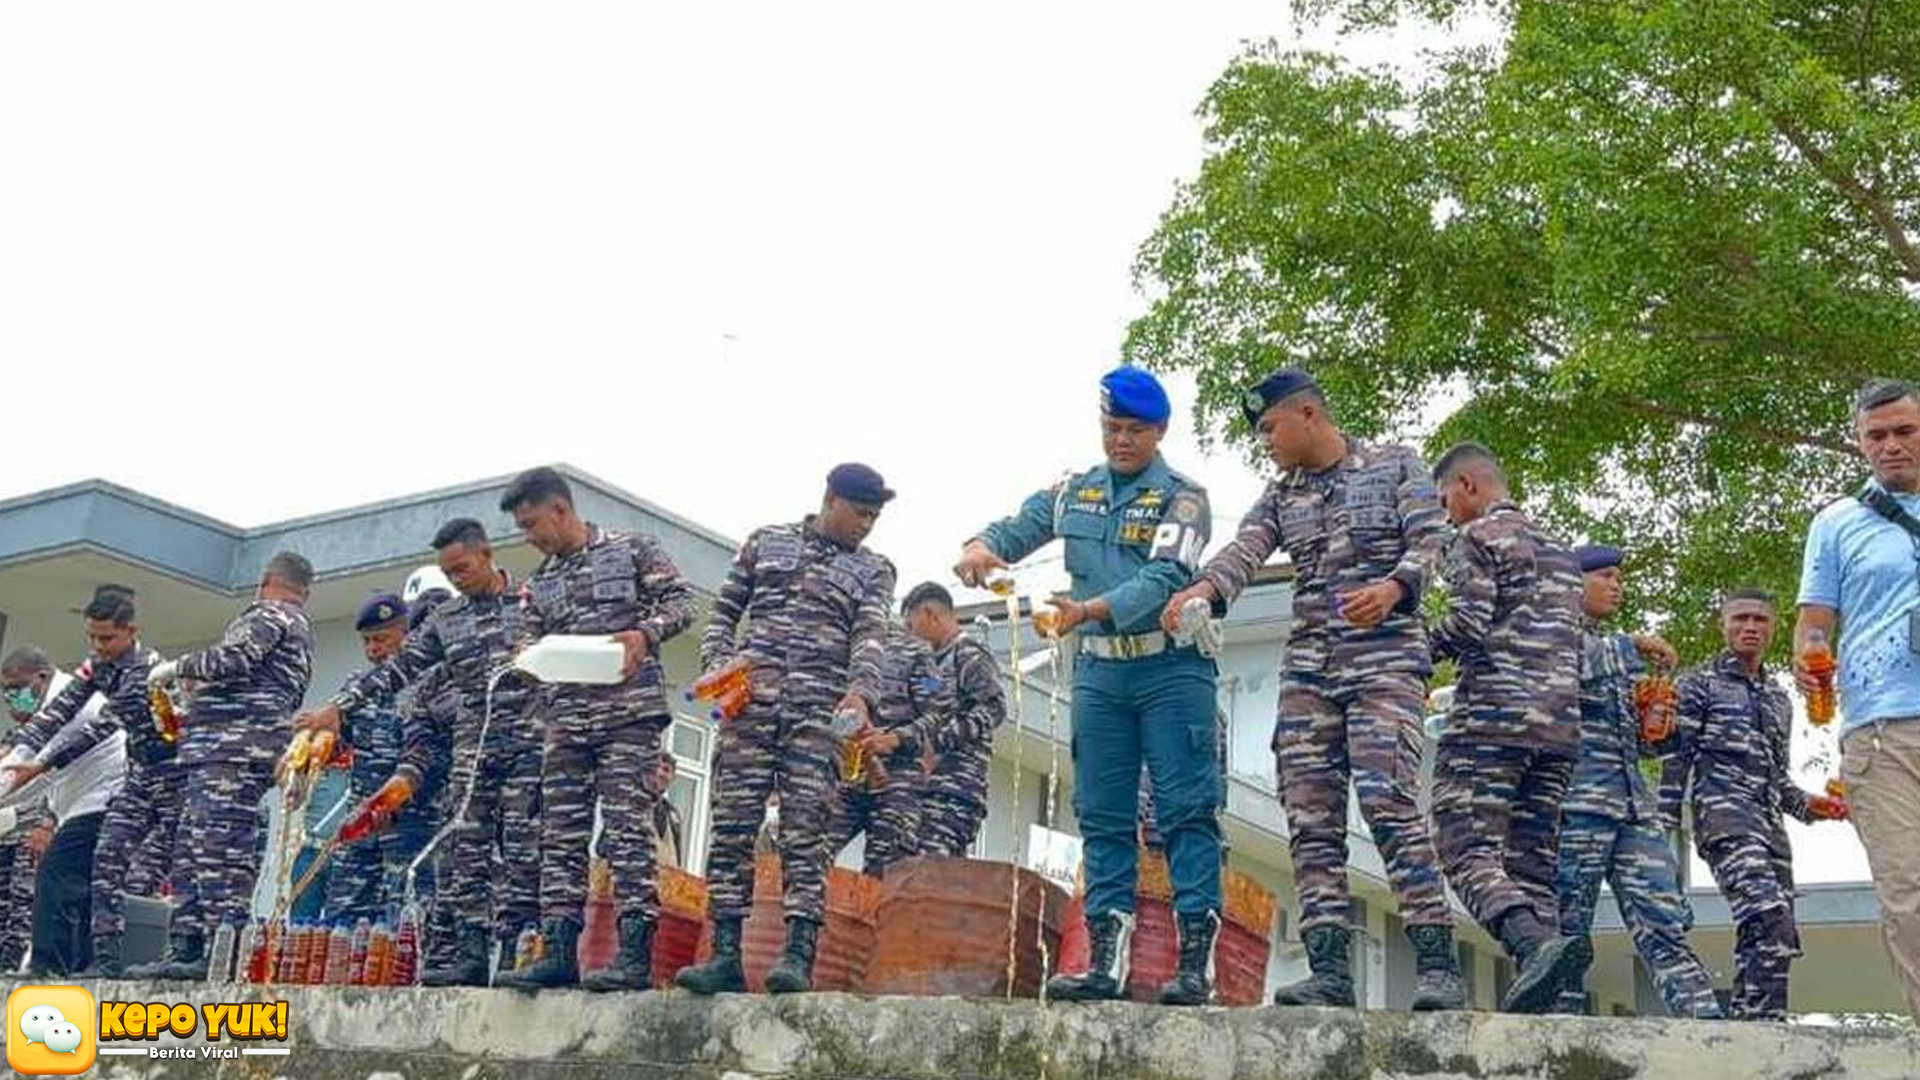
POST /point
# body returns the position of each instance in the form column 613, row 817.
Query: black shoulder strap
column 1877, row 500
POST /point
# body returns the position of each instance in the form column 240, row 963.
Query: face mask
column 22, row 699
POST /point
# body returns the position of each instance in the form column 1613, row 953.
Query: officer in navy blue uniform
column 1133, row 530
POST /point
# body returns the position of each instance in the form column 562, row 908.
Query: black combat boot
column 109, row 958
column 722, row 973
column 465, row 964
column 1546, row 960
column 632, row 967
column 793, row 972
column 560, row 966
column 1330, row 958
column 1110, row 938
column 1192, row 982
column 1436, row 983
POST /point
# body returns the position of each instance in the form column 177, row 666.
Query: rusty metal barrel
column 846, row 941
column 1240, row 955
column 943, row 929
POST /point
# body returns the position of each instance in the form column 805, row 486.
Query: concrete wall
column 476, row 1034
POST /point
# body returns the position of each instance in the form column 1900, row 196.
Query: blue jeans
column 1161, row 709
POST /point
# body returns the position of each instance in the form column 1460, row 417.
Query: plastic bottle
column 357, row 953
column 259, row 952
column 293, row 956
column 999, row 583
column 1657, row 701
column 1820, row 666
column 243, row 951
column 318, row 941
column 732, row 702
column 386, row 802
column 524, row 947
column 220, row 955
column 713, row 684
column 165, row 718
column 340, row 955
column 379, row 955
column 853, row 760
column 406, row 949
column 573, row 658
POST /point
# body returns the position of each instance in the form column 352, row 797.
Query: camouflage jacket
column 815, row 613
column 250, row 684
column 1375, row 515
column 1607, row 781
column 1514, row 627
column 963, row 746
column 1732, row 749
column 617, row 582
column 123, row 683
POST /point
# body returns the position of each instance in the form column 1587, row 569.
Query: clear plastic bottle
column 357, row 952
column 220, row 955
column 340, row 955
column 406, row 948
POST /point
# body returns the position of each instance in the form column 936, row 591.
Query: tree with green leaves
column 1646, row 251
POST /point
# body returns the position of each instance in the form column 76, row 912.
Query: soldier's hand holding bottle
column 976, row 559
column 1170, row 615
column 1655, row 650
column 324, row 718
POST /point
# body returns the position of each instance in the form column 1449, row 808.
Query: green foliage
column 1645, row 251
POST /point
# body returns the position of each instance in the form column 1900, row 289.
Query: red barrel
column 1240, row 955
column 683, row 918
column 846, row 941
column 943, row 929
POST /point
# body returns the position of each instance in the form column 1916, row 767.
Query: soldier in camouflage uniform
column 368, row 878
column 1133, row 529
column 958, row 746
column 1513, row 734
column 27, row 675
column 250, row 683
column 148, row 801
column 886, row 802
column 1731, row 750
column 1363, row 527
column 459, row 646
column 602, row 741
column 815, row 603
column 1610, row 826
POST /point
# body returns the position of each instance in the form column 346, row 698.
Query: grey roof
column 104, row 517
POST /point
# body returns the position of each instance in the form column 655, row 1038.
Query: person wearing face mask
column 1132, row 528
column 806, row 605
column 25, row 678
column 111, row 782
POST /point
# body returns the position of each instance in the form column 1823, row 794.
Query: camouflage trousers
column 1496, row 817
column 488, row 877
column 611, row 758
column 1635, row 858
column 1757, row 880
column 18, row 868
column 888, row 811
column 136, row 841
column 1367, row 728
column 214, row 865
column 949, row 823
column 790, row 751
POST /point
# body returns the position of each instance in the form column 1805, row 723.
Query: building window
column 690, row 740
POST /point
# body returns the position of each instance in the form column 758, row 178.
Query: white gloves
column 163, row 673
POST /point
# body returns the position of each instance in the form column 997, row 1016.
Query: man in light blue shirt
column 1861, row 576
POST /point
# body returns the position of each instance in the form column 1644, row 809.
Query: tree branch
column 1862, row 196
column 1758, row 433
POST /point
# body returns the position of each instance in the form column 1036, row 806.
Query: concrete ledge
column 347, row 1034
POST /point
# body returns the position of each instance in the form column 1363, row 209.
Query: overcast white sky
column 269, row 260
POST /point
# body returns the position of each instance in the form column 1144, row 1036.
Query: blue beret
column 1598, row 557
column 859, row 483
column 1275, row 388
column 1133, row 393
column 378, row 611
column 424, row 604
